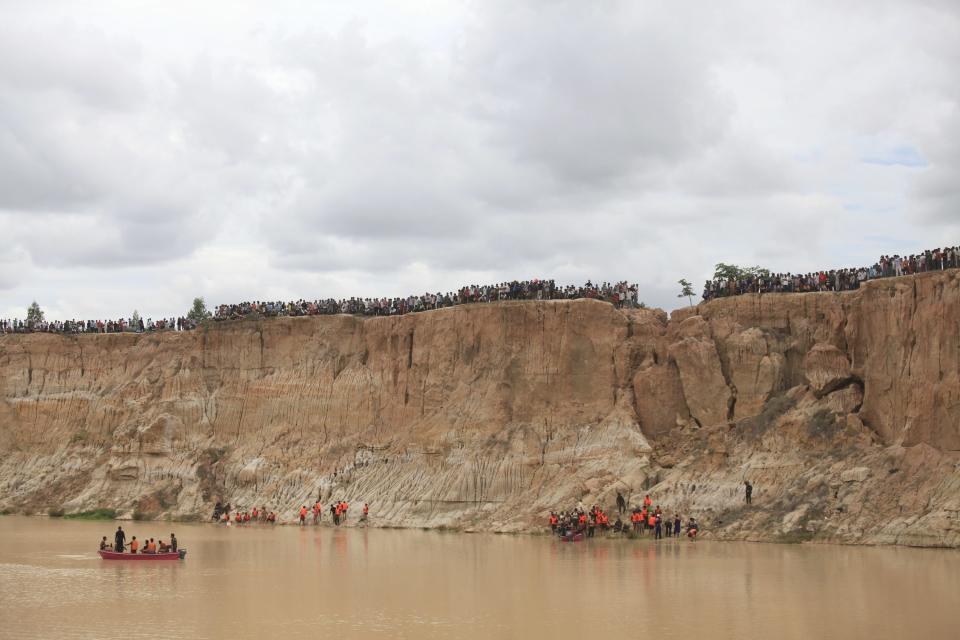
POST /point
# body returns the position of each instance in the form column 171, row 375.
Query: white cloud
column 329, row 149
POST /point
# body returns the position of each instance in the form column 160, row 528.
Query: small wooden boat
column 114, row 555
column 572, row 537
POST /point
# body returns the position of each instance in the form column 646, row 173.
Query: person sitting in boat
column 134, row 545
column 149, row 546
column 104, row 545
column 162, row 547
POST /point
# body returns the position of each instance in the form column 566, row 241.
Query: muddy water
column 259, row 582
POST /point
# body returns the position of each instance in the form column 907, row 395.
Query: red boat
column 114, row 555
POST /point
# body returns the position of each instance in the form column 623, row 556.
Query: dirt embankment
column 842, row 409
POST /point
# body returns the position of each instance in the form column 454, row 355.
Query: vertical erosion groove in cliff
column 487, row 416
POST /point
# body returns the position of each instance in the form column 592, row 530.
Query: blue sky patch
column 904, row 155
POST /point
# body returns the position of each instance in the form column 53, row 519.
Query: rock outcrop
column 843, row 410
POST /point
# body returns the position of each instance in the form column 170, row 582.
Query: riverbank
column 840, row 408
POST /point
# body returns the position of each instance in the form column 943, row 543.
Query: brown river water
column 262, row 582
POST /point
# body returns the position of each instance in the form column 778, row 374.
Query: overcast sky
column 153, row 152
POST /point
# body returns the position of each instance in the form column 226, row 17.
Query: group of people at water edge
column 338, row 514
column 578, row 523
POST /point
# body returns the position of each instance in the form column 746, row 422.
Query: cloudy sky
column 152, row 152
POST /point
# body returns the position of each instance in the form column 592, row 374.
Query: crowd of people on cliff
column 120, row 325
column 147, row 546
column 579, row 523
column 938, row 259
column 620, row 294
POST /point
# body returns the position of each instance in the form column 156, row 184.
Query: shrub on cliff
column 34, row 314
column 199, row 312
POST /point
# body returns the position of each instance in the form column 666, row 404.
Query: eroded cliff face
column 842, row 409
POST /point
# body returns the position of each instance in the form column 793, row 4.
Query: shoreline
column 705, row 536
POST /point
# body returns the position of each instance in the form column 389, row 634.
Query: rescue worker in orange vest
column 246, row 517
column 316, row 512
column 553, row 522
column 303, row 515
column 647, row 502
column 366, row 510
column 238, row 518
column 134, row 545
column 255, row 514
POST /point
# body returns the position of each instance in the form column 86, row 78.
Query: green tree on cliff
column 686, row 290
column 34, row 314
column 725, row 272
column 199, row 311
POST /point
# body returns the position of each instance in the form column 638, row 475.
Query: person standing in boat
column 119, row 540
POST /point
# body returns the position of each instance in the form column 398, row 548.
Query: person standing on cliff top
column 748, row 490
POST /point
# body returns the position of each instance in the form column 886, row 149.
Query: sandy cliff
column 842, row 409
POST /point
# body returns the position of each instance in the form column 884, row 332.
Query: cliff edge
column 843, row 410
